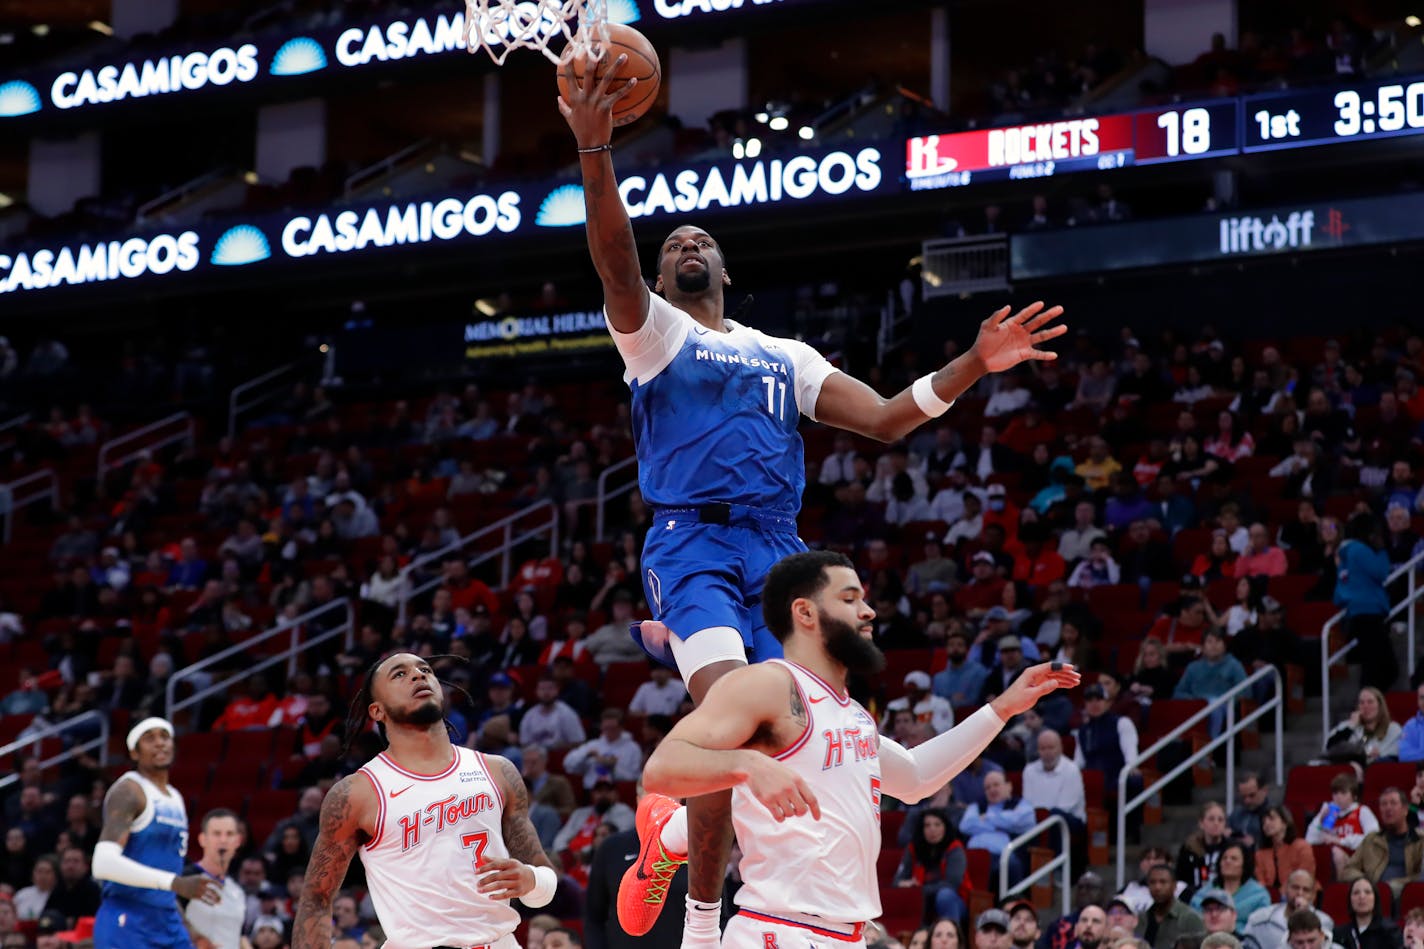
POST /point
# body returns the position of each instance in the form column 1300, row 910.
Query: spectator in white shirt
column 1097, row 569
column 970, row 526
column 1055, row 783
column 839, row 465
column 613, row 754
column 928, row 708
column 550, row 722
column 895, row 462
column 611, row 642
column 948, row 503
column 1009, row 398
column 662, row 696
column 1078, row 539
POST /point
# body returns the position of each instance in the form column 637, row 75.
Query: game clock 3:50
column 1394, row 108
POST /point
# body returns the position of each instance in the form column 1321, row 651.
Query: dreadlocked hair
column 358, row 717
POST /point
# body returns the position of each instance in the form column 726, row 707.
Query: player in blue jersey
column 715, row 409
column 141, row 851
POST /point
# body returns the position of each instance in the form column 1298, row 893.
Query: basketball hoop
column 499, row 26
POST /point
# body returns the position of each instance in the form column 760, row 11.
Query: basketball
column 642, row 64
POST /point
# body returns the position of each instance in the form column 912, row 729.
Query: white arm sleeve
column 111, row 864
column 911, row 775
column 647, row 351
column 812, row 370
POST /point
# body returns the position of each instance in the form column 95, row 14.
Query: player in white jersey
column 806, row 764
column 443, row 831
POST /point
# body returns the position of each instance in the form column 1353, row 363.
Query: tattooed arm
column 1004, row 341
column 518, row 875
column 589, row 112
column 712, row 749
column 345, row 816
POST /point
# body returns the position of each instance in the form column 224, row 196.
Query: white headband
column 148, row 724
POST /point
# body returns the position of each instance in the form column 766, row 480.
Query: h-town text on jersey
column 440, row 815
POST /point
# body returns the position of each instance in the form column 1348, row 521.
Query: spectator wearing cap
column 1261, row 557
column 612, row 641
column 49, row 929
column 1001, row 818
column 613, row 753
column 1023, row 924
column 997, row 624
column 1097, row 569
column 1235, row 878
column 991, row 930
column 1054, row 782
column 934, row 573
column 1011, row 663
column 1122, row 918
column 268, row 933
column 1168, row 918
column 502, row 698
column 984, row 590
column 961, row 681
column 1218, row 911
column 1106, row 741
column 928, row 708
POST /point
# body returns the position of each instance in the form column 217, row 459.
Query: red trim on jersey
column 842, row 699
column 381, row 812
column 853, row 936
column 805, row 736
column 490, row 774
column 454, row 763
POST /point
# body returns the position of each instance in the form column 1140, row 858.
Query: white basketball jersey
column 432, row 832
column 823, row 867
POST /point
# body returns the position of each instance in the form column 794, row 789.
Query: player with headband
column 443, row 831
column 141, row 850
column 715, row 408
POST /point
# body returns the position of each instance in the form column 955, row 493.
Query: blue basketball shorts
column 700, row 576
column 125, row 925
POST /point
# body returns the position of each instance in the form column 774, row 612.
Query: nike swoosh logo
column 700, row 332
column 402, row 790
column 819, row 698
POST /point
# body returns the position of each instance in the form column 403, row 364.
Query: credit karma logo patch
column 240, row 246
column 624, row 11
column 297, row 57
column 562, row 208
column 18, row 98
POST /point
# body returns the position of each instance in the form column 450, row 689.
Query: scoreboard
column 1213, row 129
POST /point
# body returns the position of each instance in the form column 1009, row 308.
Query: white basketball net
column 498, row 26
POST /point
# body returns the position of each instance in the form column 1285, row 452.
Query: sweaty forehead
column 688, row 231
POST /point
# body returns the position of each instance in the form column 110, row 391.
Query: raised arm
column 527, row 874
column 910, row 775
column 336, row 842
column 122, row 805
column 1003, row 342
column 705, row 752
column 589, row 112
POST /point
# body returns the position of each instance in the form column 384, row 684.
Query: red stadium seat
column 1402, row 707
column 901, row 907
column 890, row 824
column 1308, row 786
column 1335, row 901
column 886, row 864
column 1324, row 865
column 1411, row 897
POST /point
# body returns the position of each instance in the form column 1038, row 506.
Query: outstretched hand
column 589, row 107
column 1035, row 682
column 1004, row 341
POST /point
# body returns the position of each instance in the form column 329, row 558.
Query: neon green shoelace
column 663, row 870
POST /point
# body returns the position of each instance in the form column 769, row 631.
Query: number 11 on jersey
column 774, row 406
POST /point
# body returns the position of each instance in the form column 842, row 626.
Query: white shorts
column 751, row 929
column 503, row 942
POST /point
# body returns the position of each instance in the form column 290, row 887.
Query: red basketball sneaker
column 645, row 884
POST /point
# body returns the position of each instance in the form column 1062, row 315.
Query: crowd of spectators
column 1166, row 516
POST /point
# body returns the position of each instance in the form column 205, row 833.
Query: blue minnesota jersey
column 158, row 838
column 715, row 414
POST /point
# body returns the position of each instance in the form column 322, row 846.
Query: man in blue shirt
column 1212, row 675
column 962, row 680
column 715, row 410
column 992, row 825
column 1411, row 743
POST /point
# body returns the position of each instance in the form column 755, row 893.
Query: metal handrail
column 604, row 495
column 1059, row 862
column 293, row 628
column 16, row 422
column 506, row 524
column 386, row 165
column 179, row 193
column 11, row 500
column 1327, row 658
column 57, row 730
column 138, row 434
column 235, row 404
column 1228, row 733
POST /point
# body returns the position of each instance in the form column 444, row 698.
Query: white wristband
column 546, row 881
column 111, row 864
column 925, row 397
